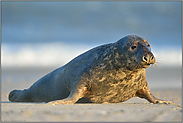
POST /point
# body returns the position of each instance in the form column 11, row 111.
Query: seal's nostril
column 152, row 57
column 144, row 59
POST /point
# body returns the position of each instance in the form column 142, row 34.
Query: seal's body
column 111, row 73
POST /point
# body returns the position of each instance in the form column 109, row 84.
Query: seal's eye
column 133, row 47
column 148, row 45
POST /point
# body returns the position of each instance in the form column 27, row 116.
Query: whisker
column 157, row 63
column 146, row 35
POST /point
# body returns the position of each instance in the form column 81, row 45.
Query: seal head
column 136, row 51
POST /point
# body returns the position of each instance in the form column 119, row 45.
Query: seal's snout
column 148, row 59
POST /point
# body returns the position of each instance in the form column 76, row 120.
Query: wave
column 59, row 53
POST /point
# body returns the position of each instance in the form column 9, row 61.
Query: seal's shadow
column 83, row 100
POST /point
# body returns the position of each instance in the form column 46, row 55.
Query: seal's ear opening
column 133, row 47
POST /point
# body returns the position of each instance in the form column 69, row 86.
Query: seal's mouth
column 146, row 65
column 142, row 64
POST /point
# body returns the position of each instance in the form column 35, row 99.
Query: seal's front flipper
column 75, row 95
column 146, row 93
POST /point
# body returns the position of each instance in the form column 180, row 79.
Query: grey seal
column 109, row 73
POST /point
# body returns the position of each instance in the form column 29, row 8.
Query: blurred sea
column 38, row 37
column 52, row 33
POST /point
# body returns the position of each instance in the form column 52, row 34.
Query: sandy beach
column 134, row 110
column 38, row 37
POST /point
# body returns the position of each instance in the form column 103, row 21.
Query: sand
column 134, row 110
column 164, row 84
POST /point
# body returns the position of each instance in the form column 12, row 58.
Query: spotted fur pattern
column 110, row 73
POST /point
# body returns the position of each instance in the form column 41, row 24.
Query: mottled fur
column 109, row 73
